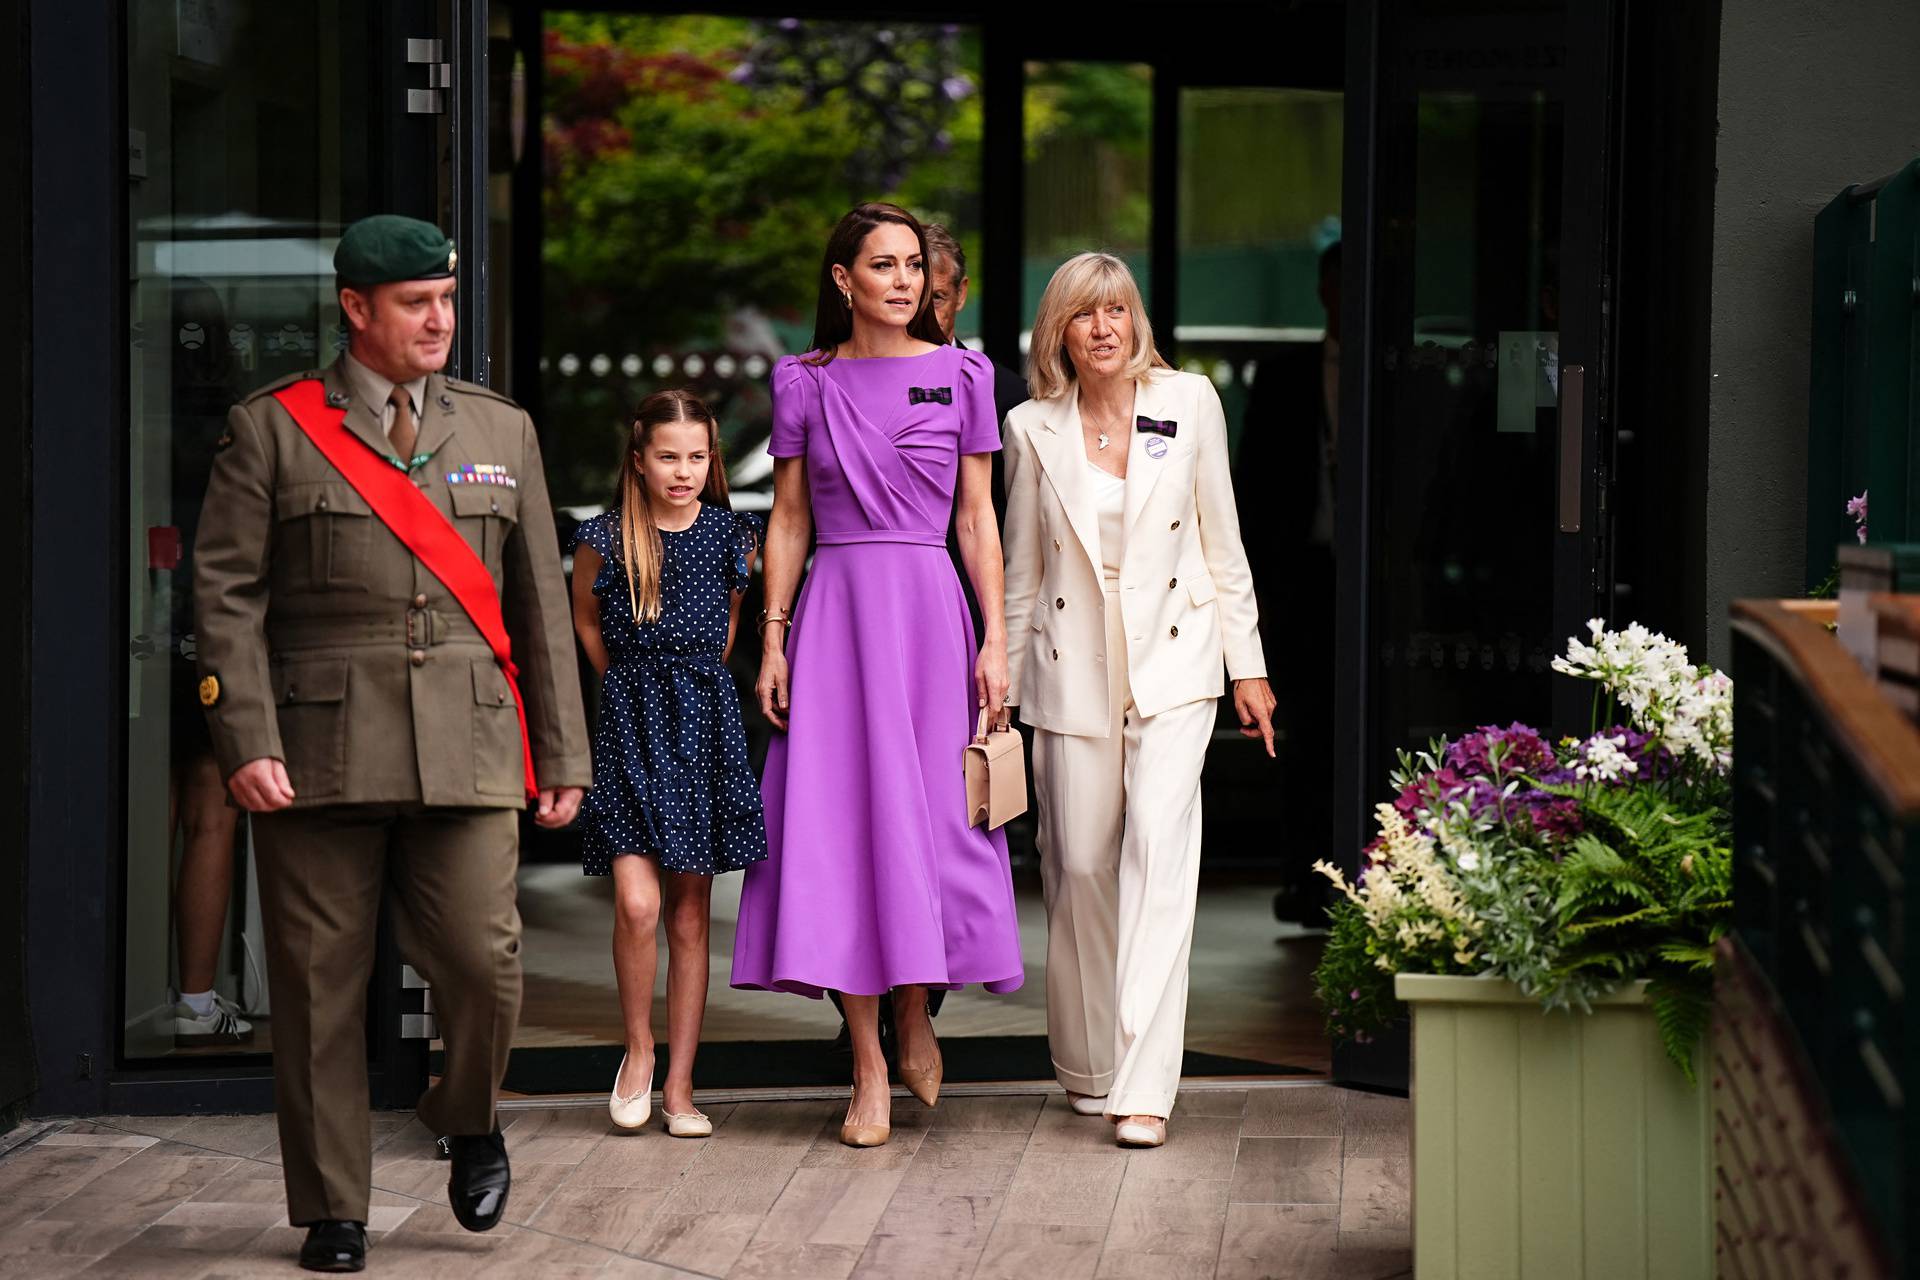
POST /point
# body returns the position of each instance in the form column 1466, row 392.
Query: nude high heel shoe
column 924, row 1084
column 863, row 1135
column 1141, row 1131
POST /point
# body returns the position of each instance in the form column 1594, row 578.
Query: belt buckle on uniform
column 420, row 629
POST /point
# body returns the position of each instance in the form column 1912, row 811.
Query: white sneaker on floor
column 1087, row 1105
column 220, row 1025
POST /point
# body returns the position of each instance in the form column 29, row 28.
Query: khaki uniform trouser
column 450, row 873
column 1120, row 861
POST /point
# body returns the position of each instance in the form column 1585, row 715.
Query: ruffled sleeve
column 796, row 399
column 749, row 530
column 602, row 533
column 979, row 423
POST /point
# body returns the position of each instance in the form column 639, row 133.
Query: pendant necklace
column 1102, row 440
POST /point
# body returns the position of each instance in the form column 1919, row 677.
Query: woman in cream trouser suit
column 1127, row 590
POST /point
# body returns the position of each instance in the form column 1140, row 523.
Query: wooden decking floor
column 1303, row 1180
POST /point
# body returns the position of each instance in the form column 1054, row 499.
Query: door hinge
column 432, row 100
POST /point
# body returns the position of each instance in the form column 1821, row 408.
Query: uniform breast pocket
column 487, row 516
column 326, row 534
column 497, row 768
column 310, row 699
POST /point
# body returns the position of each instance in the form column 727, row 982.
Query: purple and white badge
column 1156, row 448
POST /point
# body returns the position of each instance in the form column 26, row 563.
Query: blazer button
column 418, row 657
column 1172, row 583
column 1174, row 525
column 1056, row 544
column 1173, row 631
column 495, row 506
column 320, row 505
column 499, row 697
column 1059, row 602
column 1056, row 655
column 420, row 601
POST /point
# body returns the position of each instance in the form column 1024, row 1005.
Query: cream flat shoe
column 632, row 1113
column 1085, row 1104
column 687, row 1124
column 1141, row 1131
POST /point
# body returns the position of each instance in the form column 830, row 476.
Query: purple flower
column 956, row 88
column 742, row 74
column 1857, row 508
column 789, row 24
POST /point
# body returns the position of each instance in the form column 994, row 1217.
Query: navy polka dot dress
column 671, row 778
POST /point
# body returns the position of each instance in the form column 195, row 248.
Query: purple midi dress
column 873, row 879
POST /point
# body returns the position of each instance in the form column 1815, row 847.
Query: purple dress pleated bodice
column 873, row 878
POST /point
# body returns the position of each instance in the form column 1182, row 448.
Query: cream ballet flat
column 687, row 1124
column 1085, row 1104
column 1141, row 1131
column 632, row 1113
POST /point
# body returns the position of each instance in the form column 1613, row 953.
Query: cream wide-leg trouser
column 1120, row 861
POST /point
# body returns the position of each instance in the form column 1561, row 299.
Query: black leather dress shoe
column 477, row 1189
column 335, row 1246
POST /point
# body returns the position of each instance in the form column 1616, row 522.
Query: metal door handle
column 1573, row 401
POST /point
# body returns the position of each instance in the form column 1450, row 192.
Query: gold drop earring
column 846, row 296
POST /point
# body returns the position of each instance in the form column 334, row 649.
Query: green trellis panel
column 1861, row 430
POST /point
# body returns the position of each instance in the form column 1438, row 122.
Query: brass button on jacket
column 420, row 601
column 418, row 657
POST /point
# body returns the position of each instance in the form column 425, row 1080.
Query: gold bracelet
column 783, row 620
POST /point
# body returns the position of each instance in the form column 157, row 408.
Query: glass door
column 1487, row 360
column 1479, row 541
column 256, row 132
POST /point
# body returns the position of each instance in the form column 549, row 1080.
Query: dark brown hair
column 942, row 244
column 639, row 534
column 832, row 317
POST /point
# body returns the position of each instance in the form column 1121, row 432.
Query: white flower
column 1469, row 860
column 1604, row 760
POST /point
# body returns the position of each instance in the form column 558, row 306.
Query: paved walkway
column 1298, row 1181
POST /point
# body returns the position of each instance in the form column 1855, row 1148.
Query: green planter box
column 1564, row 1146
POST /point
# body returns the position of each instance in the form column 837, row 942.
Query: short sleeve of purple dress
column 873, row 878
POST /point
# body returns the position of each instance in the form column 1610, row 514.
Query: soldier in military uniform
column 359, row 714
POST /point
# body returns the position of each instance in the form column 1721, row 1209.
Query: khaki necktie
column 404, row 431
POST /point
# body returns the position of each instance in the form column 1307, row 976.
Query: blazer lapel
column 1063, row 455
column 1143, row 469
column 362, row 419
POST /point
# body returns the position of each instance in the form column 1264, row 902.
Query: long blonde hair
column 1083, row 282
column 640, row 545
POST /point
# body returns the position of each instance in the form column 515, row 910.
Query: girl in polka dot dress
column 656, row 599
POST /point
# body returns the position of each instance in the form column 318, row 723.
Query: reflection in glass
column 694, row 165
column 234, row 213
column 1465, row 533
column 1089, row 134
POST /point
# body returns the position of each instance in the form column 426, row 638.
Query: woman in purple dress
column 874, row 882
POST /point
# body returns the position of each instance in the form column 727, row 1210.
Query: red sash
column 421, row 526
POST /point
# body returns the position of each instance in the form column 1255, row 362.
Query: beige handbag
column 996, row 775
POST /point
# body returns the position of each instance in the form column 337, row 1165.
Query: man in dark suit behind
column 1283, row 487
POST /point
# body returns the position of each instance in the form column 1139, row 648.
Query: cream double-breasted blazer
column 1186, row 594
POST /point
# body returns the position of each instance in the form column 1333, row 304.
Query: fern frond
column 1681, row 1011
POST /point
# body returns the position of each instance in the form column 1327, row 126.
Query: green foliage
column 1642, row 890
column 694, row 166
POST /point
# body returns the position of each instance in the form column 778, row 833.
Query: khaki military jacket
column 325, row 644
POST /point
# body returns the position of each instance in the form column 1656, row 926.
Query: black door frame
column 76, row 305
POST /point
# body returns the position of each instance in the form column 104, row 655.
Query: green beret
column 388, row 247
